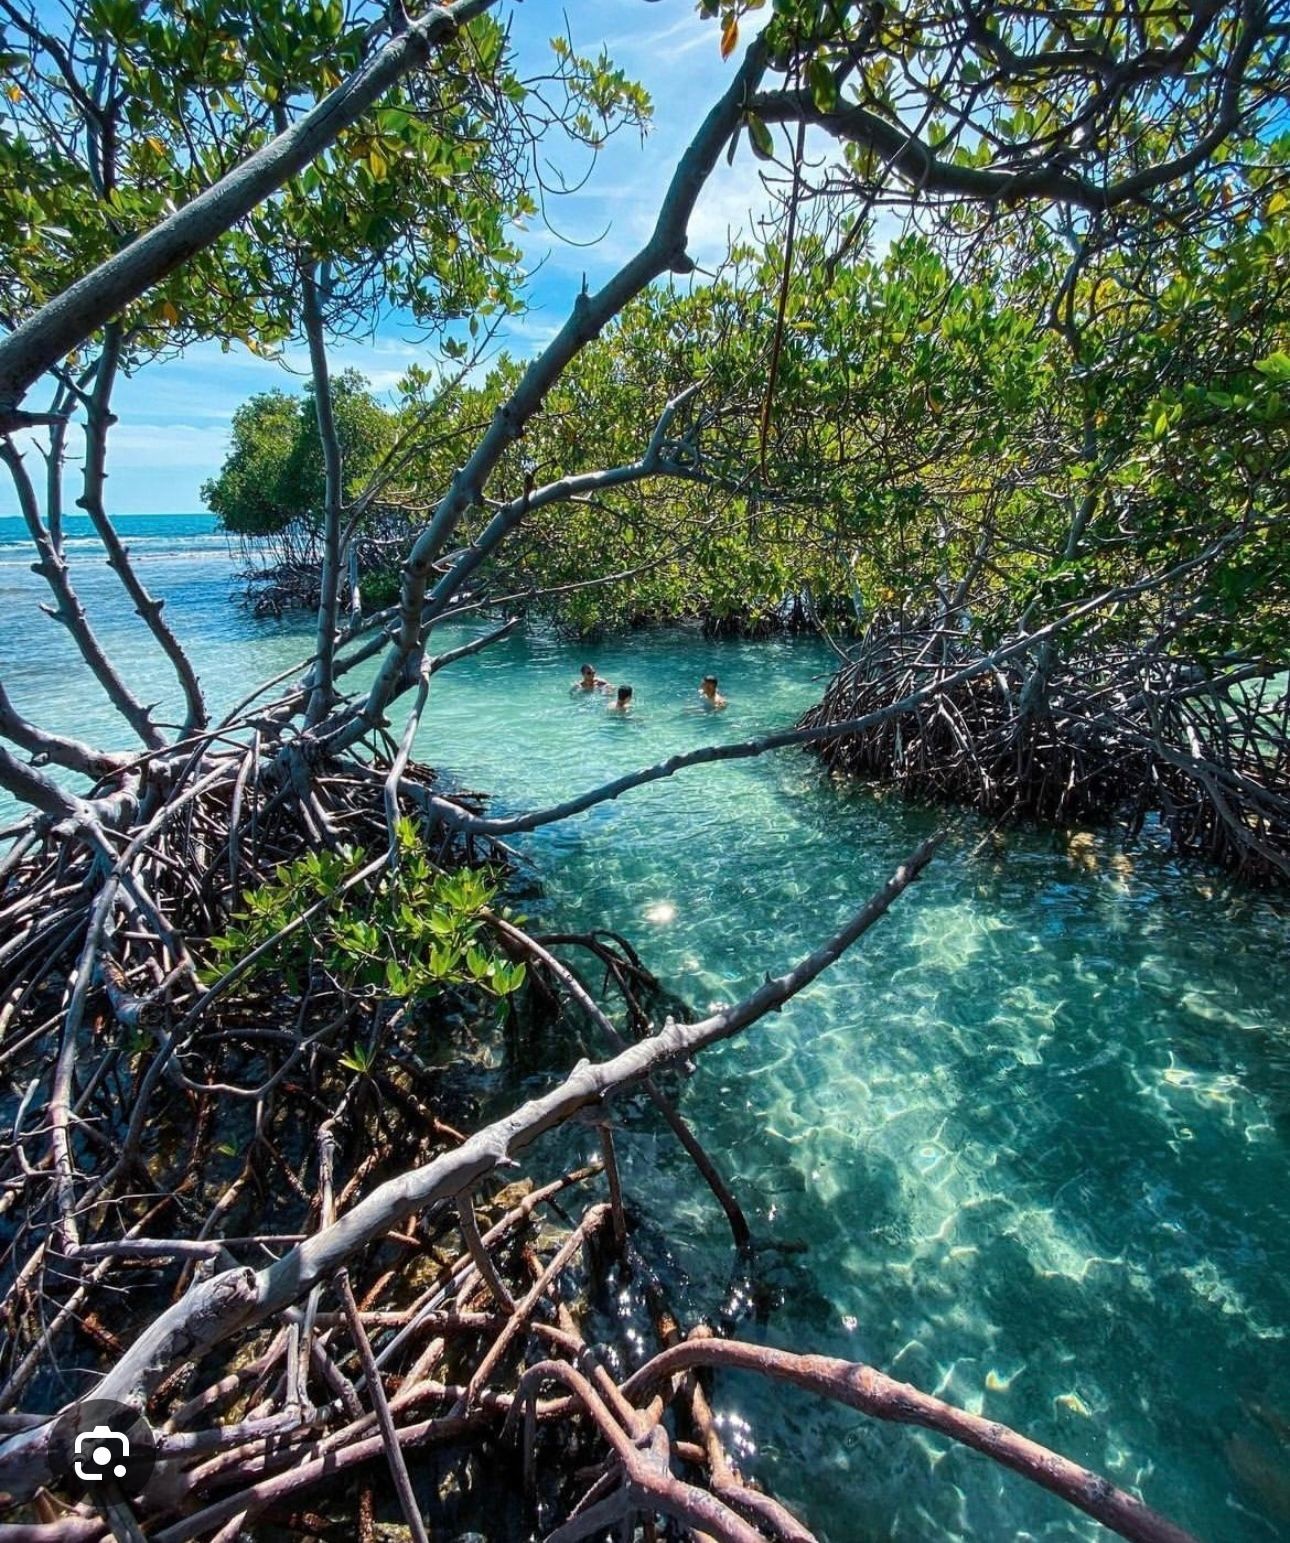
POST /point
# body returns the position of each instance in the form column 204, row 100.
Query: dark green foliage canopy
column 939, row 439
column 273, row 474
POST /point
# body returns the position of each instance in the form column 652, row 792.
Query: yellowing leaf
column 729, row 38
column 169, row 313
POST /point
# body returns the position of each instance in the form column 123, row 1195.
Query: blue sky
column 175, row 415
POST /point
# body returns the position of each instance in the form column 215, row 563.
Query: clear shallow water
column 181, row 558
column 1034, row 1130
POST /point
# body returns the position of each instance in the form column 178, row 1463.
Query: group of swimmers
column 588, row 680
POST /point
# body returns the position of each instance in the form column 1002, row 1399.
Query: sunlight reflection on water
column 1034, row 1130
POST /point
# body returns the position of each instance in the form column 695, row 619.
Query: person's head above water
column 588, row 680
column 709, row 684
column 624, row 693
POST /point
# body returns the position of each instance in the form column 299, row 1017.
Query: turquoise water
column 179, row 557
column 1034, row 1129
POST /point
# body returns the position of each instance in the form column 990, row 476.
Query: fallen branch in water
column 734, row 1214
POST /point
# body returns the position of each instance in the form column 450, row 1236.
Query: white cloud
column 729, row 209
column 175, row 415
column 531, row 329
column 647, row 54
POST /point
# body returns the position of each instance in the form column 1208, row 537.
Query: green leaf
column 511, row 979
column 1276, row 366
column 759, row 137
column 824, row 91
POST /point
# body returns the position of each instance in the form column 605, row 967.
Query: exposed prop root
column 350, row 1287
column 1115, row 734
column 446, row 1371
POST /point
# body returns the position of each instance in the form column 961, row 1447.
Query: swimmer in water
column 588, row 680
column 622, row 702
column 708, row 693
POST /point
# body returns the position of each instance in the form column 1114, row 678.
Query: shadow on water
column 1034, row 1130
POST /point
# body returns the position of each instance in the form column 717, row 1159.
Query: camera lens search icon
column 99, row 1446
column 100, row 1453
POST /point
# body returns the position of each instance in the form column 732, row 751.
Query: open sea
column 1034, row 1130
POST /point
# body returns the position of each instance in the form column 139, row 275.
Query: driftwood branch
column 671, row 1115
